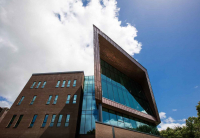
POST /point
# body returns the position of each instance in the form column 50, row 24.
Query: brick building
column 113, row 103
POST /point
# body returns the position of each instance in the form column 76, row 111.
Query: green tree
column 191, row 130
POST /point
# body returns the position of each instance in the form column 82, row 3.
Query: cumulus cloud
column 5, row 104
column 169, row 122
column 174, row 109
column 54, row 36
column 162, row 115
column 182, row 120
column 164, row 126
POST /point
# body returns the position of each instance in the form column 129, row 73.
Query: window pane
column 74, row 84
column 88, row 123
column 19, row 120
column 121, row 97
column 33, row 100
column 110, row 92
column 57, row 84
column 11, row 121
column 44, row 84
column 38, row 84
column 45, row 120
column 68, row 84
column 67, row 121
column 55, row 100
column 84, row 107
column 33, row 121
column 52, row 120
column 127, row 122
column 63, row 85
column 49, row 100
column 113, row 118
column 120, row 120
column 89, row 102
column 105, row 116
column 74, row 100
column 82, row 130
column 104, row 89
column 116, row 95
column 33, row 84
column 21, row 100
column 126, row 98
column 133, row 123
column 59, row 121
column 68, row 99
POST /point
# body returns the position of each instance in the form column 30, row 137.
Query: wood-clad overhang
column 106, row 49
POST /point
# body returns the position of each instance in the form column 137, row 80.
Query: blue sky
column 170, row 34
column 51, row 36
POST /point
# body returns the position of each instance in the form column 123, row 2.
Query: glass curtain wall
column 89, row 110
column 117, row 87
column 121, row 120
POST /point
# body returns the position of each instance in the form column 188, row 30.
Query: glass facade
column 121, row 120
column 89, row 110
column 118, row 87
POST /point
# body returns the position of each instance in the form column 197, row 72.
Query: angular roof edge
column 51, row 73
column 119, row 48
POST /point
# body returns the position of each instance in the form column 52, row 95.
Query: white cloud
column 163, row 126
column 182, row 120
column 162, row 115
column 174, row 109
column 5, row 104
column 33, row 39
column 196, row 87
column 169, row 122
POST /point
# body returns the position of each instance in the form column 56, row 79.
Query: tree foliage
column 191, row 130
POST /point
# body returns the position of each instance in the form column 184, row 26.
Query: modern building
column 113, row 103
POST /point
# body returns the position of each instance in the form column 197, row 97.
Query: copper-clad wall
column 125, row 109
column 97, row 70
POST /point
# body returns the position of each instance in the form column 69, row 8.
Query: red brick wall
column 105, row 131
column 40, row 108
